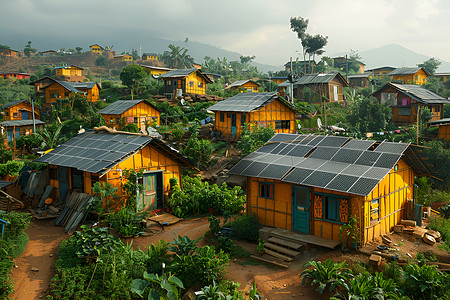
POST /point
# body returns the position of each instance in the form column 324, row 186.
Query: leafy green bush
column 443, row 226
column 28, row 142
column 425, row 282
column 198, row 150
column 253, row 138
column 245, row 228
column 445, row 211
column 11, row 168
column 18, row 222
column 131, row 127
column 366, row 286
column 326, row 274
column 126, row 221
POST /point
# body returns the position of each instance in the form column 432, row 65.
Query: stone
column 429, row 239
column 398, row 228
column 375, row 260
column 408, row 223
column 34, row 269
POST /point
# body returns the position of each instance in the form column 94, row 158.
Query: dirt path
column 45, row 237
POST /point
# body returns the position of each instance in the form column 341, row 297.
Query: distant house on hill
column 17, row 128
column 95, row 48
column 70, row 73
column 15, row 75
column 341, row 62
column 381, row 71
column 244, row 86
column 260, row 109
column 300, row 67
column 150, row 56
column 184, row 81
column 157, row 71
column 19, row 110
column 48, row 53
column 55, row 89
column 279, row 79
column 444, row 76
column 329, row 85
column 359, row 80
column 405, row 99
column 10, row 53
column 444, row 128
column 416, row 75
column 124, row 57
column 123, row 112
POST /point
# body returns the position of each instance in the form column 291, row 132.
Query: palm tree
column 49, row 140
column 177, row 57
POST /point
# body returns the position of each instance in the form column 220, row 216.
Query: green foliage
column 245, row 228
column 28, row 50
column 443, row 226
column 12, row 90
column 105, row 196
column 131, row 127
column 430, row 65
column 11, row 168
column 260, row 246
column 27, row 142
column 369, row 116
column 101, row 61
column 198, row 150
column 325, row 274
column 126, row 221
column 130, row 187
column 445, row 211
column 106, row 84
column 349, row 232
column 198, row 196
column 177, row 58
column 425, row 282
column 92, row 241
column 183, row 245
column 49, row 138
column 167, row 286
column 439, row 156
column 253, row 138
column 132, row 75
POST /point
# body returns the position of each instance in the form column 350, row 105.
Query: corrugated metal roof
column 244, row 102
column 241, row 82
column 98, row 151
column 12, row 103
column 365, row 75
column 121, row 106
column 326, row 162
column 20, row 123
column 440, row 122
column 179, row 73
column 318, row 78
column 419, row 93
column 406, row 71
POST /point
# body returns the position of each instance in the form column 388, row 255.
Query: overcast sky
column 250, row 27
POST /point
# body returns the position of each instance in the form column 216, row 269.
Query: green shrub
column 126, row 221
column 11, row 168
column 245, row 228
column 443, row 226
column 253, row 138
column 131, row 128
column 425, row 282
column 17, row 244
column 198, row 150
column 18, row 222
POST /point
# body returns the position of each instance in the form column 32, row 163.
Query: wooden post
column 14, row 147
column 418, row 113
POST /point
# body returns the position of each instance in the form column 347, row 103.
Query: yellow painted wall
column 92, row 94
column 266, row 116
column 56, row 91
column 13, row 113
column 253, row 87
column 418, row 78
column 69, row 71
column 444, row 131
column 392, row 194
column 96, row 49
column 142, row 111
column 195, row 84
column 151, row 58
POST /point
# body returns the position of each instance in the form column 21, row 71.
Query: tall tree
column 299, row 26
column 177, row 57
column 28, row 50
column 132, row 76
column 315, row 44
column 430, row 65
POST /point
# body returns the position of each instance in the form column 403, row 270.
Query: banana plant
column 166, row 286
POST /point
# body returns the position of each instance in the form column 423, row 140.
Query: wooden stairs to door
column 283, row 248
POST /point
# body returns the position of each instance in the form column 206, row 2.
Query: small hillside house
column 416, row 75
column 124, row 57
column 279, row 79
column 178, row 82
column 156, row 71
column 69, row 71
column 329, row 85
column 102, row 155
column 381, row 71
column 19, row 110
column 444, row 128
column 10, row 53
column 97, row 49
column 123, row 112
column 55, row 89
column 260, row 109
column 150, row 56
column 48, row 53
column 244, row 86
column 16, row 128
column 300, row 67
column 359, row 80
column 444, row 76
column 405, row 100
column 313, row 184
column 15, row 75
column 340, row 62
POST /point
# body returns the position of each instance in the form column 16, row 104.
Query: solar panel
column 319, row 179
column 347, row 155
column 268, row 147
column 333, row 167
column 274, row 171
column 376, row 173
column 286, row 149
column 98, row 167
column 277, row 149
column 332, row 141
column 316, row 140
column 289, row 160
column 363, row 186
column 389, row 147
column 307, row 139
column 358, row 144
column 255, row 155
column 311, row 163
column 341, row 182
column 240, row 166
column 283, row 137
column 387, row 160
column 325, row 153
column 355, row 170
column 254, row 169
column 368, row 158
column 300, row 150
column 297, row 175
column 267, row 158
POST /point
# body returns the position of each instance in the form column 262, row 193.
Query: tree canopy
column 132, row 75
column 368, row 115
column 28, row 50
column 177, row 57
column 430, row 65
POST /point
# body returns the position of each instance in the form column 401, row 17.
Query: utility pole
column 418, row 113
column 346, row 68
column 291, row 85
column 32, row 111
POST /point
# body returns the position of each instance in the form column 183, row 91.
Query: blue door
column 63, row 178
column 233, row 125
column 300, row 208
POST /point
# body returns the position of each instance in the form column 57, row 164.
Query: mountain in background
column 394, row 55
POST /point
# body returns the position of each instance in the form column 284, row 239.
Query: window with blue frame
column 332, row 208
column 266, row 190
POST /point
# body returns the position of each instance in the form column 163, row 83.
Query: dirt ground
column 273, row 282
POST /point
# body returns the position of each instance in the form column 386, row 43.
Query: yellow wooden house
column 19, row 110
column 102, row 155
column 123, row 112
column 156, row 71
column 416, row 75
column 124, row 57
column 184, row 81
column 68, row 71
column 52, row 89
column 260, row 109
column 244, row 86
column 406, row 99
column 14, row 129
column 95, row 48
column 444, row 76
column 381, row 71
column 313, row 184
column 444, row 128
column 279, row 79
column 330, row 86
column 150, row 57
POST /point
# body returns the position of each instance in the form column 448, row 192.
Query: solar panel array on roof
column 94, row 151
column 244, row 102
column 334, row 163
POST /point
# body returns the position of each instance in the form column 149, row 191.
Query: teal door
column 63, row 178
column 233, row 125
column 300, row 208
column 151, row 193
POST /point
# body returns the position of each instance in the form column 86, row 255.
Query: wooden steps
column 278, row 255
column 281, row 248
column 286, row 243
